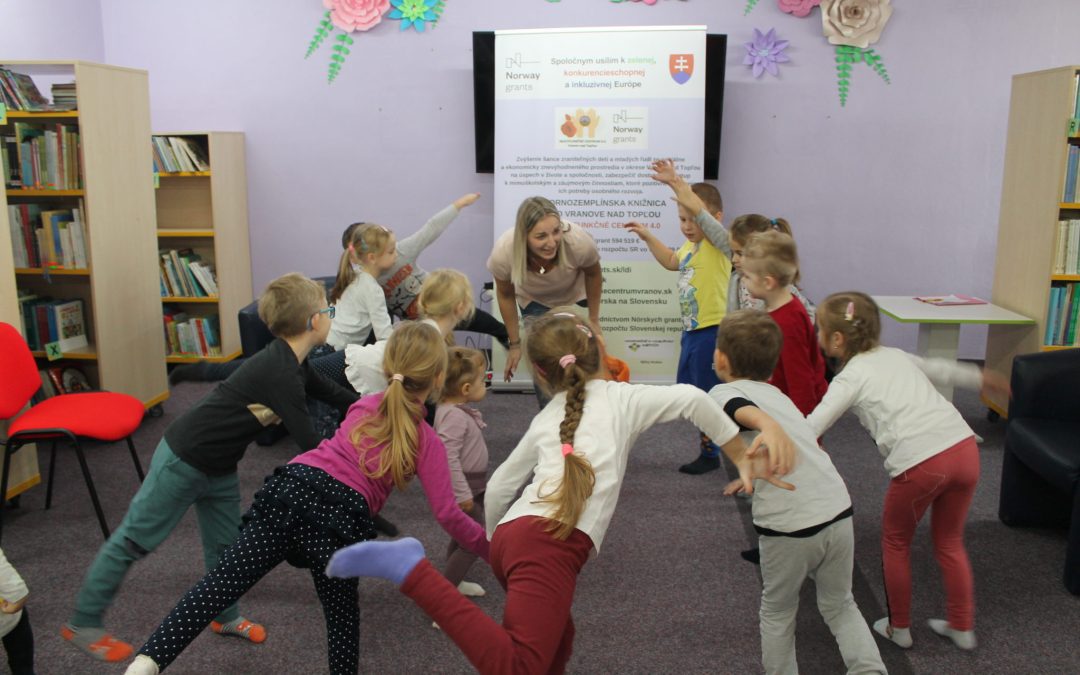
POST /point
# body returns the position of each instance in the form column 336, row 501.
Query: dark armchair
column 1040, row 476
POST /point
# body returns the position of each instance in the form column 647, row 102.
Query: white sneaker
column 142, row 665
column 469, row 589
column 901, row 637
column 964, row 639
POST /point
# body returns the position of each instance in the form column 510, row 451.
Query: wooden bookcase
column 206, row 211
column 1036, row 152
column 120, row 287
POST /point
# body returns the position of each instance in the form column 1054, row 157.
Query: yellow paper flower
column 855, row 23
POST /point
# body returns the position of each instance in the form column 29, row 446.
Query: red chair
column 99, row 415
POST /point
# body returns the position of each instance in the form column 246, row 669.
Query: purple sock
column 390, row 560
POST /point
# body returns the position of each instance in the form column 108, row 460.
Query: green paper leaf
column 320, row 34
column 749, row 6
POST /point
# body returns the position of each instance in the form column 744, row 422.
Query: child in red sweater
column 770, row 266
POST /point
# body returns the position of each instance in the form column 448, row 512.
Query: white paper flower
column 855, row 23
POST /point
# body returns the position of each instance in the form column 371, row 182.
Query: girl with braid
column 576, row 450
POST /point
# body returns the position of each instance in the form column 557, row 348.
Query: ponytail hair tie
column 567, row 449
column 398, row 377
column 773, row 221
column 567, row 359
column 849, row 313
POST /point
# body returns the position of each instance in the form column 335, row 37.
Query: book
column 68, row 380
column 948, row 300
column 48, row 389
column 196, row 153
column 70, row 324
column 1074, row 317
column 1051, row 315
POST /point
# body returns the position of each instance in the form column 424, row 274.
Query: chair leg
column 135, row 458
column 52, row 473
column 90, row 487
column 10, row 448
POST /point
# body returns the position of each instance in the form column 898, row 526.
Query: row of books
column 18, row 92
column 53, row 238
column 45, row 321
column 183, row 274
column 42, row 157
column 191, row 335
column 1067, row 247
column 174, row 154
column 1061, row 318
column 58, row 380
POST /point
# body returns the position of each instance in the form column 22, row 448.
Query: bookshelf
column 206, row 212
column 1032, row 193
column 115, row 193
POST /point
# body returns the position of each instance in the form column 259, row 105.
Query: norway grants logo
column 681, row 67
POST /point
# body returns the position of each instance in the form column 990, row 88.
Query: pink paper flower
column 354, row 15
column 799, row 8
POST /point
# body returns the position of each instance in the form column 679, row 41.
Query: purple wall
column 897, row 193
column 51, row 30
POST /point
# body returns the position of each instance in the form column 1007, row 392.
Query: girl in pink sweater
column 325, row 498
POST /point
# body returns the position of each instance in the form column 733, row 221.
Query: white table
column 939, row 326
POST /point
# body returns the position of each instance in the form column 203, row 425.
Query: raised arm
column 412, row 246
column 664, row 255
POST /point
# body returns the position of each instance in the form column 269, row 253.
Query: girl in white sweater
column 575, row 450
column 929, row 452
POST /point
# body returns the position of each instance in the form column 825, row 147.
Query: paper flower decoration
column 360, row 15
column 855, row 23
column 851, row 25
column 799, row 8
column 764, row 52
column 354, row 15
column 416, row 13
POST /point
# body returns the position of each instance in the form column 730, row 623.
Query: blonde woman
column 543, row 262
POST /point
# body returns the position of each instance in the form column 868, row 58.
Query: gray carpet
column 668, row 594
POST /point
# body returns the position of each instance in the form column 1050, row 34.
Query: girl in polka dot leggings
column 325, row 498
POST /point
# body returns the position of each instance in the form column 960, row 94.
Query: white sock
column 142, row 665
column 471, row 590
column 964, row 639
column 898, row 636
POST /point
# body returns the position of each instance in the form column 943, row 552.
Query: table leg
column 940, row 341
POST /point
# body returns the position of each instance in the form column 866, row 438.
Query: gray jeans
column 827, row 558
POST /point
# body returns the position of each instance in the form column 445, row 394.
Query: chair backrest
column 1045, row 385
column 19, row 377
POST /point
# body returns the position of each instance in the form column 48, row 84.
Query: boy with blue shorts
column 704, row 266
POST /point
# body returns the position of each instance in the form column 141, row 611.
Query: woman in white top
column 929, row 452
column 543, row 262
column 576, row 450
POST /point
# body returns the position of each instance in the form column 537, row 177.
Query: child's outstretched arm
column 412, row 246
column 945, row 372
column 664, row 255
column 751, row 467
column 664, row 172
column 772, row 437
